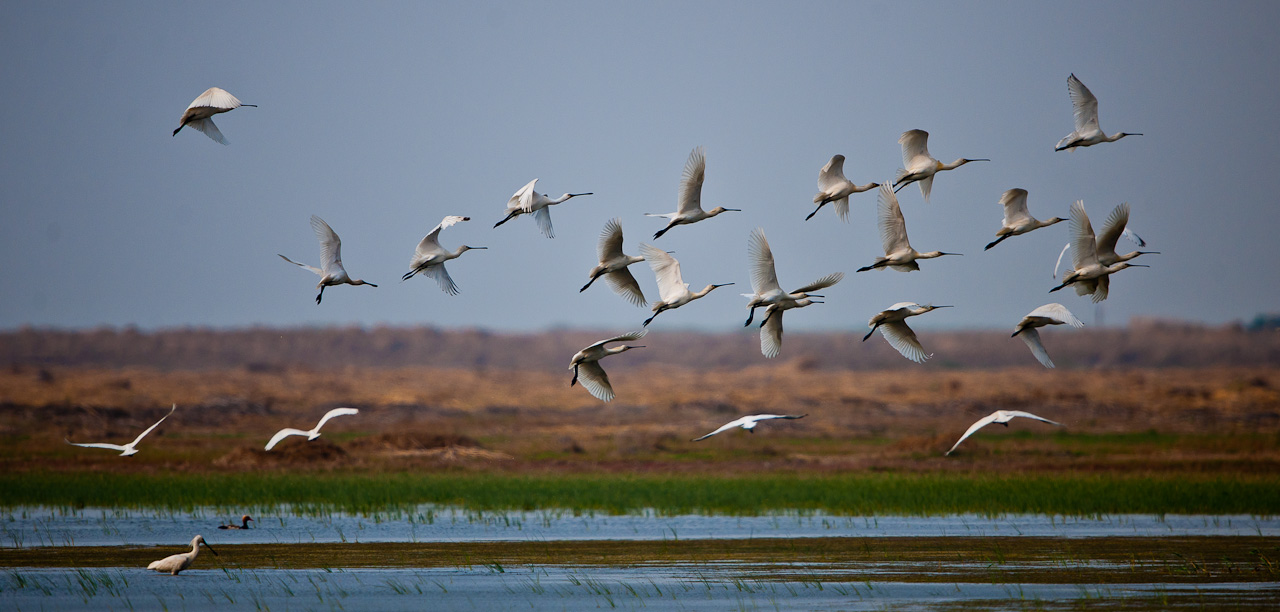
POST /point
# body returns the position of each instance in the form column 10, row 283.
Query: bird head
column 929, row 307
column 471, row 248
column 199, row 540
column 964, row 160
column 719, row 209
column 360, row 282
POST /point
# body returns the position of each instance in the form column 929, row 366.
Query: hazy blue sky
column 384, row 117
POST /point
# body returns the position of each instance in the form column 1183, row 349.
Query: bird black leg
column 575, row 377
column 320, row 295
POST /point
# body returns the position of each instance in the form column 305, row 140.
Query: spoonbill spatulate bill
column 1084, row 107
column 918, row 165
column 689, row 208
column 898, row 253
column 1017, row 221
column 429, row 257
column 672, row 289
column 526, row 201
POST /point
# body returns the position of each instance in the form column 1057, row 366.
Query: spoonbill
column 315, row 431
column 331, row 271
column 1088, row 274
column 893, row 326
column 898, row 253
column 764, row 278
column 690, row 205
column 671, row 287
column 129, row 449
column 1131, row 235
column 244, row 523
column 749, row 423
column 1002, row 417
column 176, row 563
column 527, row 201
column 1115, row 225
column 199, row 114
column 1085, row 108
column 1017, row 221
column 919, row 166
column 1049, row 314
column 429, row 257
column 613, row 265
column 771, row 325
column 586, row 364
column 834, row 187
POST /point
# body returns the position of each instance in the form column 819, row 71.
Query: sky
column 382, row 118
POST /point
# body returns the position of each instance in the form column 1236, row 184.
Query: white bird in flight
column 1088, row 274
column 771, row 325
column 1002, row 417
column 527, row 201
column 893, row 326
column 1017, row 221
column 1116, row 225
column 613, row 265
column 918, row 165
column 128, row 449
column 1049, row 314
column 764, row 278
column 898, row 253
column 749, row 423
column 833, row 187
column 331, row 271
column 672, row 289
column 586, row 364
column 1131, row 235
column 315, row 431
column 176, row 563
column 199, row 114
column 429, row 257
column 1085, row 107
column 690, row 205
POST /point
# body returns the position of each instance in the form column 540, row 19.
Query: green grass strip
column 861, row 494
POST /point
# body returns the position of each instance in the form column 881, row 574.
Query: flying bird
column 1002, row 417
column 1115, row 226
column 1049, row 314
column 690, row 205
column 771, row 325
column 749, row 423
column 315, row 431
column 672, row 289
column 1088, row 274
column 1017, row 221
column 244, row 523
column 1131, row 235
column 833, row 187
column 898, row 253
column 613, row 265
column 1085, row 108
column 199, row 115
column 130, row 448
column 893, row 326
column 918, row 165
column 526, row 201
column 429, row 257
column 764, row 278
column 331, row 271
column 176, row 563
column 586, row 364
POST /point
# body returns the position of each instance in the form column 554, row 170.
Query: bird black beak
column 574, row 195
column 723, row 285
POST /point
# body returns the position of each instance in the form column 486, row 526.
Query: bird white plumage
column 918, row 165
column 1017, row 220
column 1002, row 417
column 834, row 188
column 672, row 289
column 331, row 271
column 764, row 278
column 429, row 257
column 314, row 432
column 689, row 207
column 749, row 423
column 526, row 201
column 1088, row 274
column 1084, row 107
column 176, row 563
column 586, row 364
column 198, row 114
column 613, row 265
column 129, row 449
column 1049, row 314
column 893, row 326
column 898, row 253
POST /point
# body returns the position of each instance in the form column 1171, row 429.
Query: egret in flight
column 586, row 364
column 671, row 287
column 199, row 115
column 1002, row 417
column 1017, row 221
column 613, row 265
column 898, row 253
column 764, row 278
column 527, row 201
column 176, row 563
column 1085, row 107
column 690, row 205
column 315, row 431
column 893, row 326
column 1088, row 274
column 749, row 423
column 833, row 187
column 331, row 271
column 918, row 165
column 1049, row 314
column 130, row 448
column 429, row 257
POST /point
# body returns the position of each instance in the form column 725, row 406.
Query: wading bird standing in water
column 128, row 449
column 526, row 201
column 1049, row 314
column 176, row 563
column 586, row 364
column 429, row 257
column 613, row 265
column 690, row 204
column 833, row 187
column 1017, row 221
column 1002, row 417
column 331, row 271
column 1085, row 108
column 671, row 287
column 893, row 326
column 919, row 166
column 898, row 253
column 749, row 423
column 199, row 115
column 315, row 431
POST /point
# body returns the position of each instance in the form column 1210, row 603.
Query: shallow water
column 41, row 526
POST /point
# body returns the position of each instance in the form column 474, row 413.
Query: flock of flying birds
column 1093, row 259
